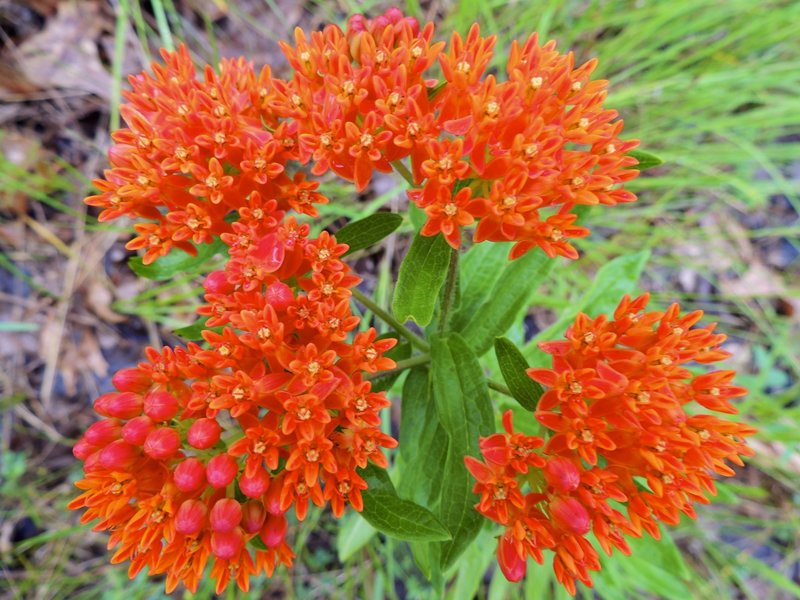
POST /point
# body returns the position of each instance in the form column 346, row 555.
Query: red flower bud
column 274, row 530
column 511, row 564
column 118, row 455
column 217, row 283
column 226, row 514
column 253, row 515
column 191, row 517
column 103, row 432
column 226, row 545
column 272, row 502
column 569, row 514
column 136, row 430
column 162, row 443
column 189, row 475
column 120, row 405
column 562, row 474
column 255, row 486
column 204, row 433
column 221, row 470
column 160, row 406
column 83, row 449
column 131, row 380
column 394, row 14
column 279, row 296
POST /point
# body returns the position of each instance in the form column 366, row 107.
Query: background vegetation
column 712, row 87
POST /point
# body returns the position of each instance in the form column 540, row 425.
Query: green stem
column 415, row 340
column 402, row 169
column 500, row 387
column 403, row 365
column 449, row 289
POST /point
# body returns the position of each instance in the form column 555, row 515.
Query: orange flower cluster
column 626, row 425
column 202, row 450
column 516, row 155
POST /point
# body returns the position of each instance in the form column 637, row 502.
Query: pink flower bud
column 274, row 530
column 191, row 517
column 279, row 296
column 226, row 545
column 253, row 515
column 162, row 443
column 217, row 283
column 83, row 449
column 562, row 474
column 204, row 433
column 136, row 430
column 132, row 380
column 221, row 470
column 226, row 514
column 103, row 432
column 160, row 406
column 120, row 405
column 394, row 14
column 272, row 502
column 511, row 564
column 255, row 486
column 189, row 475
column 118, row 455
column 569, row 514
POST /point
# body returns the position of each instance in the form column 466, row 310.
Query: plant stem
column 449, row 289
column 415, row 340
column 402, row 365
column 500, row 387
column 402, row 169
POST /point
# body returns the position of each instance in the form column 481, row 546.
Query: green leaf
column 421, row 277
column 646, row 160
column 513, row 366
column 194, row 331
column 462, row 403
column 507, row 298
column 177, row 261
column 368, row 231
column 354, row 533
column 398, row 518
column 423, row 441
column 612, row 282
column 480, row 268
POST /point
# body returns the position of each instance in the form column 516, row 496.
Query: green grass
column 708, row 86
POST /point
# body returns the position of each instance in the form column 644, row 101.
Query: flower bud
column 162, row 443
column 253, row 515
column 511, row 564
column 217, row 283
column 132, row 380
column 204, row 433
column 255, row 486
column 136, row 430
column 226, row 514
column 221, row 470
column 189, row 475
column 191, row 517
column 83, row 449
column 118, row 455
column 562, row 474
column 226, row 545
column 160, row 406
column 394, row 14
column 120, row 405
column 279, row 296
column 274, row 530
column 103, row 432
column 569, row 514
column 272, row 502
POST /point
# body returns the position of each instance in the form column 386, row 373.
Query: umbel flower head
column 203, row 450
column 628, row 424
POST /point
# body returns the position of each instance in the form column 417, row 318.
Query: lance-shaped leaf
column 480, row 267
column 509, row 295
column 398, row 518
column 177, row 262
column 368, row 231
column 464, row 409
column 513, row 365
column 646, row 160
column 421, row 277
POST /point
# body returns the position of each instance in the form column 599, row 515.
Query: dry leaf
column 99, row 299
